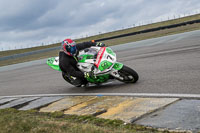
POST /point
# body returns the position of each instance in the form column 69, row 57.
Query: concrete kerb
column 126, row 108
column 129, row 107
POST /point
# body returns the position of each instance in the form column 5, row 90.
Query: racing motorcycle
column 102, row 62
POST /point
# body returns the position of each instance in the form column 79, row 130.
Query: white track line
column 153, row 95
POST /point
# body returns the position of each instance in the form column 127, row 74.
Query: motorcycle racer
column 68, row 61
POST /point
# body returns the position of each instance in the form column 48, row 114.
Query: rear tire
column 129, row 75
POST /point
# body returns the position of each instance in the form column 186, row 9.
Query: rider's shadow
column 102, row 88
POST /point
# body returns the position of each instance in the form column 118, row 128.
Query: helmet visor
column 71, row 49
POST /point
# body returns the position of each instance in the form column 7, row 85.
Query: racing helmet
column 69, row 47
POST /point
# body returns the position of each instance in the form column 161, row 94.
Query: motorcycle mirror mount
column 92, row 68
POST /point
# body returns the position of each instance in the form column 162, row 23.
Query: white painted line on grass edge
column 153, row 95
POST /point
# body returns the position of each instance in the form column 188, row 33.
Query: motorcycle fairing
column 53, row 62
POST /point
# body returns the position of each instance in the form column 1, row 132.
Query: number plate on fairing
column 105, row 59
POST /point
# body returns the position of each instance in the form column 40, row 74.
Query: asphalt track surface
column 168, row 64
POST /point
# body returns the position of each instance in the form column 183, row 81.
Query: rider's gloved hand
column 100, row 44
column 89, row 74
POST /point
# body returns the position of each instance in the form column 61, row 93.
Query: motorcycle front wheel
column 129, row 75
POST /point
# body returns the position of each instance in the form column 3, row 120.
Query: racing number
column 109, row 57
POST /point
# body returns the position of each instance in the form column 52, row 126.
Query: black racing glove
column 100, row 44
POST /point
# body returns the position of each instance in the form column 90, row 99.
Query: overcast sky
column 25, row 23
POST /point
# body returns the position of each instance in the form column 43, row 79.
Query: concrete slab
column 132, row 109
column 182, row 115
column 66, row 103
column 96, row 106
column 5, row 100
column 18, row 102
column 40, row 102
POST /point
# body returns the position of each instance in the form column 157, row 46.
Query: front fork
column 115, row 70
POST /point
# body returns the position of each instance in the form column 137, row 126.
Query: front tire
column 129, row 75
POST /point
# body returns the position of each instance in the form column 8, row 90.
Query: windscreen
column 91, row 51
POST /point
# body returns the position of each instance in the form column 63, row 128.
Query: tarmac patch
column 18, row 102
column 5, row 100
column 40, row 102
column 182, row 115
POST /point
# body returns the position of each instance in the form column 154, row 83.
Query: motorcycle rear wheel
column 129, row 75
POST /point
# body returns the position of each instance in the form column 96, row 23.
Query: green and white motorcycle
column 103, row 63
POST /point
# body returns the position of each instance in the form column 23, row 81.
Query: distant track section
column 151, row 30
column 103, row 39
column 28, row 53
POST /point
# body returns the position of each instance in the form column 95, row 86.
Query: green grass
column 14, row 121
column 111, row 42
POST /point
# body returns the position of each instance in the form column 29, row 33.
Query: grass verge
column 14, row 121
